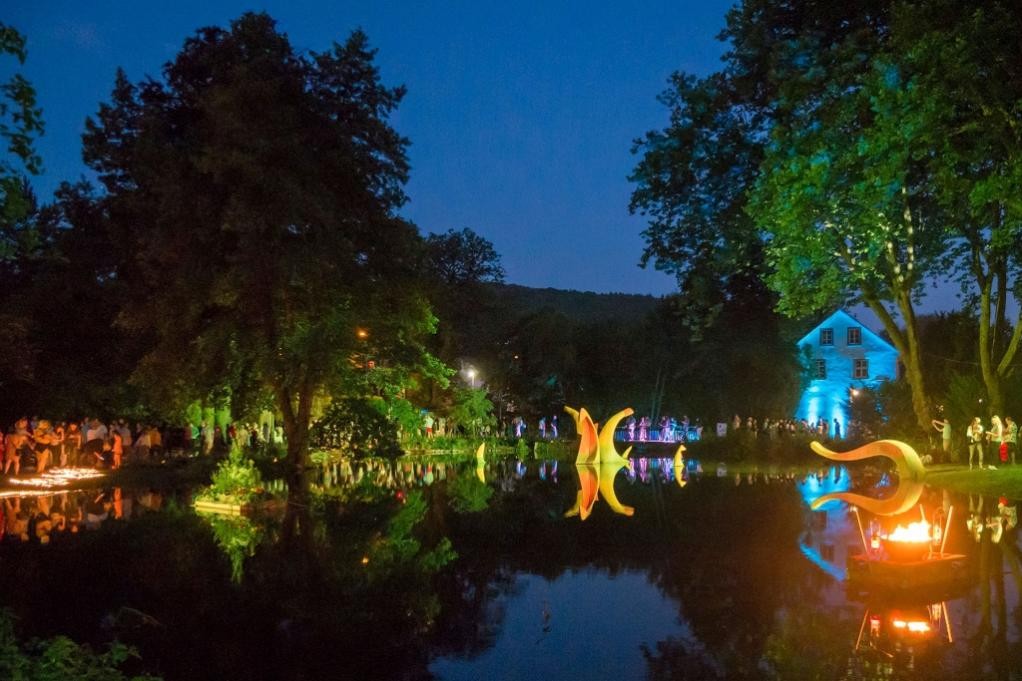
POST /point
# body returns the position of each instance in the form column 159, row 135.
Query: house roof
column 842, row 318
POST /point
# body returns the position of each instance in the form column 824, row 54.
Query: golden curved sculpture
column 679, row 466
column 908, row 465
column 598, row 447
column 608, row 452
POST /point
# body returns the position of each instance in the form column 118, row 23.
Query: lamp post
column 472, row 377
column 363, row 336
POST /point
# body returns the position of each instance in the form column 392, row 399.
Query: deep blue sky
column 521, row 116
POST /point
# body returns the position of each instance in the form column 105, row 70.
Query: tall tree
column 463, row 259
column 258, row 188
column 774, row 138
column 691, row 184
column 847, row 201
column 966, row 99
column 459, row 264
column 20, row 123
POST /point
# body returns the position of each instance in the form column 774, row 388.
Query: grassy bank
column 1005, row 481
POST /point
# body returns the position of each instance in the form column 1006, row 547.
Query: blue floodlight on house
column 843, row 356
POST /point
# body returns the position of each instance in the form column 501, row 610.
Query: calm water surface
column 414, row 571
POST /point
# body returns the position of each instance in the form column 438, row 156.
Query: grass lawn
column 1005, row 481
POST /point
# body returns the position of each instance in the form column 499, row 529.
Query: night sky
column 521, row 117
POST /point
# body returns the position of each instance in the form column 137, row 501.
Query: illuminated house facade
column 843, row 355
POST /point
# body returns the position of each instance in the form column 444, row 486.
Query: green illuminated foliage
column 60, row 658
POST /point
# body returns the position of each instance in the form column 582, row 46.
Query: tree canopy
column 846, row 153
column 256, row 188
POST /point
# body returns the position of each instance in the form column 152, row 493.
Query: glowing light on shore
column 57, row 477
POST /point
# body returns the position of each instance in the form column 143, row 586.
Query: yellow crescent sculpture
column 598, row 448
column 679, row 466
column 608, row 452
column 597, row 463
column 910, row 476
column 481, row 463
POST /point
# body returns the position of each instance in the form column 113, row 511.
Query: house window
column 860, row 369
column 820, row 369
column 826, row 336
column 854, row 335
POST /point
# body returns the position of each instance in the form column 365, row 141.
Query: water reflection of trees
column 990, row 652
column 354, row 584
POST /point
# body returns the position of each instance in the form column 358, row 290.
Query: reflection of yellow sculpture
column 597, row 463
column 910, row 476
column 679, row 466
column 608, row 474
column 589, row 484
column 593, row 481
column 481, row 463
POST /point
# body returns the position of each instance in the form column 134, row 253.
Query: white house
column 843, row 356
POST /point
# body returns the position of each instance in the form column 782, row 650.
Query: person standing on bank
column 943, row 426
column 974, row 435
column 1011, row 437
column 996, row 434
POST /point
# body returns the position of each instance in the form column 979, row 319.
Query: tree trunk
column 991, row 378
column 913, row 366
column 296, row 428
column 907, row 344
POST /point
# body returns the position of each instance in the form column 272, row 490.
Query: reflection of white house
column 843, row 355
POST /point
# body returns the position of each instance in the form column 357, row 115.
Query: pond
column 444, row 570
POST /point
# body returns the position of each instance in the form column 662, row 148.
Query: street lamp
column 363, row 336
column 472, row 377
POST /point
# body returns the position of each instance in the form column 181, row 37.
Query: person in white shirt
column 974, row 434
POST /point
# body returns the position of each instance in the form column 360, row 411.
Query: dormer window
column 854, row 335
column 826, row 336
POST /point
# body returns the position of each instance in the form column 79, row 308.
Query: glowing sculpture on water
column 481, row 463
column 911, row 473
column 598, row 448
column 597, row 463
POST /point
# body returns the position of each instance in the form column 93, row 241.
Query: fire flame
column 914, row 626
column 915, row 533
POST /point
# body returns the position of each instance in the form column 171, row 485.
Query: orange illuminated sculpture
column 911, row 473
column 597, row 463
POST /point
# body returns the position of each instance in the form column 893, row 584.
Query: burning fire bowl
column 906, row 551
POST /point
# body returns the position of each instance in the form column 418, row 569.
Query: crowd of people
column 91, row 443
column 999, row 439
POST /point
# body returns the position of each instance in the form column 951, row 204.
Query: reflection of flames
column 915, row 533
